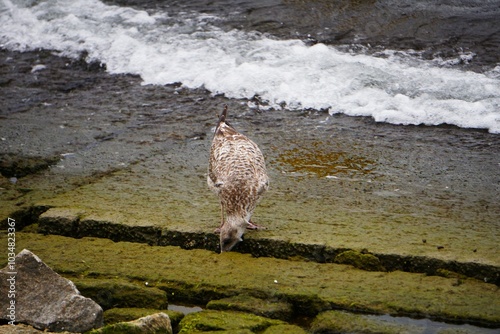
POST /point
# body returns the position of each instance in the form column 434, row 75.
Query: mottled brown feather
column 237, row 174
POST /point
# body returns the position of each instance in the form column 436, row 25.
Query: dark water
column 469, row 30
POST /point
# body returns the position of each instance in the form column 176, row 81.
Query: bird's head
column 231, row 233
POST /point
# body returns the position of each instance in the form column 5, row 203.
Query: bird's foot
column 253, row 226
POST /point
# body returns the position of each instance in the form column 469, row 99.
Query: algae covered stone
column 188, row 276
column 61, row 221
column 158, row 323
column 233, row 331
column 284, row 329
column 115, row 315
column 110, row 293
column 344, row 322
column 245, row 303
column 211, row 320
column 360, row 260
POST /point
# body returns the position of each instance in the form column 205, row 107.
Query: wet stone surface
column 202, row 277
column 131, row 166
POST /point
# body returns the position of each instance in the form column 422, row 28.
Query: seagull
column 237, row 174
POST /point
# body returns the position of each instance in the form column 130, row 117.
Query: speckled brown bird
column 237, row 174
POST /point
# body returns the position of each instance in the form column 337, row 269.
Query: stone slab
column 200, row 276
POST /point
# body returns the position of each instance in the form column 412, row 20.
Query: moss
column 115, row 315
column 258, row 306
column 317, row 158
column 31, row 228
column 324, row 230
column 284, row 329
column 157, row 323
column 211, row 320
column 118, row 328
column 59, row 221
column 233, row 331
column 195, row 293
column 343, row 322
column 306, row 285
column 126, row 327
column 308, row 304
column 111, row 293
column 450, row 274
column 360, row 260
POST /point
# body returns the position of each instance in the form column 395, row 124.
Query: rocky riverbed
column 105, row 178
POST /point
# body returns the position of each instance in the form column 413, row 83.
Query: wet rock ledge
column 136, row 275
column 113, row 176
column 60, row 221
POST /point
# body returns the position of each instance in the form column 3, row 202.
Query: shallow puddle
column 316, row 158
column 185, row 309
column 429, row 326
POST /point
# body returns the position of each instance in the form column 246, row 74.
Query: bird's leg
column 217, row 230
column 253, row 226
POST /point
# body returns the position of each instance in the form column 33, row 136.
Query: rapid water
column 192, row 48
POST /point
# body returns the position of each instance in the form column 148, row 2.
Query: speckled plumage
column 237, row 174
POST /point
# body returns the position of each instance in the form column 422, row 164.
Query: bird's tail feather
column 222, row 117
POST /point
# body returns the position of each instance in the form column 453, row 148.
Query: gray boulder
column 38, row 296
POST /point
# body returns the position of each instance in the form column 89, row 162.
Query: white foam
column 188, row 49
column 38, row 67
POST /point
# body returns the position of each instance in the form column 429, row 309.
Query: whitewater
column 188, row 48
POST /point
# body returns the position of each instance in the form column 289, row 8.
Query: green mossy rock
column 115, row 315
column 360, row 260
column 249, row 304
column 188, row 276
column 450, row 274
column 308, row 305
column 211, row 320
column 233, row 331
column 158, row 323
column 284, row 329
column 111, row 293
column 343, row 322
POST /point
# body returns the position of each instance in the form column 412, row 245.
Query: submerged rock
column 210, row 321
column 49, row 301
column 158, row 323
column 246, row 303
